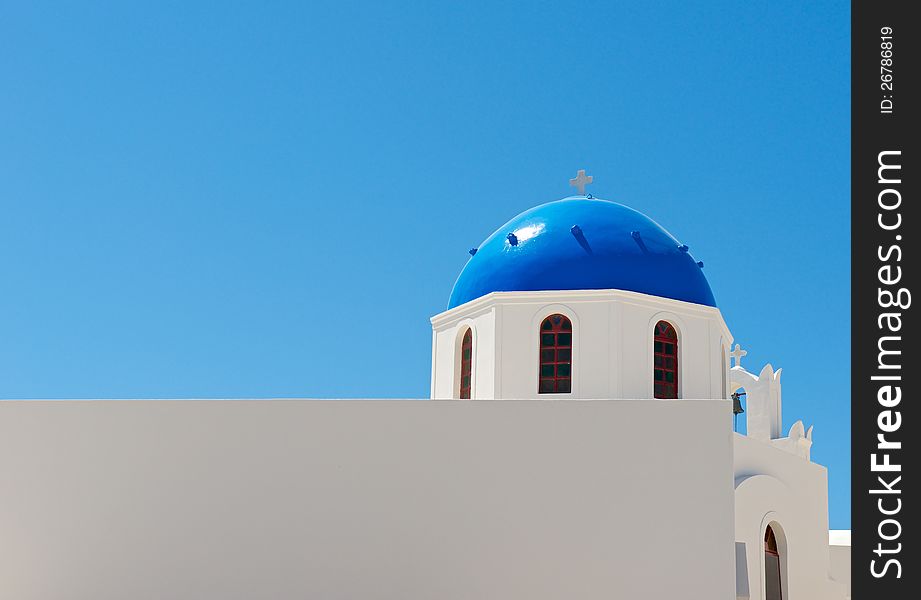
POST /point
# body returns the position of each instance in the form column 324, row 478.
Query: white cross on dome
column 580, row 181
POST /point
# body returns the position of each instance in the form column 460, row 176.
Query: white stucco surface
column 366, row 499
column 839, row 547
column 780, row 489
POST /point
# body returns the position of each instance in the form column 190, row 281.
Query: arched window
column 466, row 364
column 555, row 355
column 665, row 358
column 772, row 580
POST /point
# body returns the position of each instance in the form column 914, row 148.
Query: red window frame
column 466, row 364
column 665, row 361
column 555, row 369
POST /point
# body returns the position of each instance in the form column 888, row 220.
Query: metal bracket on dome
column 683, row 247
column 473, row 251
column 512, row 239
column 577, row 233
column 639, row 241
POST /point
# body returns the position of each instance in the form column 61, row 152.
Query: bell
column 737, row 404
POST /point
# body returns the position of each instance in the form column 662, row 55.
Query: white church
column 579, row 443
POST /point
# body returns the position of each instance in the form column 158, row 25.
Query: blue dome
column 582, row 244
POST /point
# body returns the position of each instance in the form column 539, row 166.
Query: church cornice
column 507, row 298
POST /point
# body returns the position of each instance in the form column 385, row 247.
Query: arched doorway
column 773, row 579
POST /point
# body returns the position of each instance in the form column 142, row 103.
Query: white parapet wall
column 385, row 499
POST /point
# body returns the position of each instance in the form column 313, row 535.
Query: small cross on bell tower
column 737, row 354
column 580, row 181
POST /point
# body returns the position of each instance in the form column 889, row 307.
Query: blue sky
column 272, row 198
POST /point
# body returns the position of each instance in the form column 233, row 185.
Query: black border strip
column 884, row 389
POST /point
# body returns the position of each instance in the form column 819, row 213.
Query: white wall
column 774, row 487
column 366, row 499
column 612, row 344
column 839, row 549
